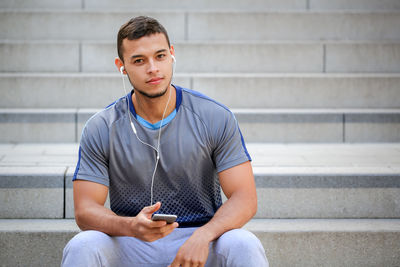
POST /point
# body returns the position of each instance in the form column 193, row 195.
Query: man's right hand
column 90, row 214
column 145, row 229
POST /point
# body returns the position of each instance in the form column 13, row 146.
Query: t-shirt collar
column 177, row 105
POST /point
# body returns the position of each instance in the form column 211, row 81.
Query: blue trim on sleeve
column 110, row 105
column 198, row 94
column 77, row 165
column 131, row 106
column 178, row 97
column 244, row 145
column 156, row 126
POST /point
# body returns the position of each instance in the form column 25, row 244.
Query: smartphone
column 169, row 218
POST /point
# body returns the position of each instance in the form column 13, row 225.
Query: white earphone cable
column 159, row 131
column 158, row 150
column 130, row 119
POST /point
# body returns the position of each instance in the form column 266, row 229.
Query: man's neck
column 152, row 109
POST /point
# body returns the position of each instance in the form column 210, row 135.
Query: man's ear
column 118, row 62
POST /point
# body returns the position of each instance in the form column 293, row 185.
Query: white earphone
column 157, row 150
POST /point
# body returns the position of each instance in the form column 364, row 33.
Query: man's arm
column 239, row 187
column 90, row 214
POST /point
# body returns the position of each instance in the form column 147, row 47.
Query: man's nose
column 152, row 66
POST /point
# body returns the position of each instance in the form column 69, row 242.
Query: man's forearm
column 233, row 214
column 100, row 218
column 97, row 217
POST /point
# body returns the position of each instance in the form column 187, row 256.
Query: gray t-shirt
column 201, row 140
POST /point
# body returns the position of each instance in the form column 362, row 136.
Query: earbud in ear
column 173, row 64
column 121, row 70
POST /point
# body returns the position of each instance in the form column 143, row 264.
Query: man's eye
column 138, row 61
column 160, row 55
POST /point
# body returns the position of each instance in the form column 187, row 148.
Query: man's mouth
column 155, row 80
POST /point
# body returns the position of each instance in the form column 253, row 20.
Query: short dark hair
column 138, row 27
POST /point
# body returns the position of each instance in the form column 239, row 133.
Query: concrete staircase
column 315, row 86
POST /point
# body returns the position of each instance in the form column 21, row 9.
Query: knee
column 239, row 245
column 240, row 240
column 85, row 244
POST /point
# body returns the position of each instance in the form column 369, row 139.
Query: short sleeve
column 230, row 149
column 93, row 160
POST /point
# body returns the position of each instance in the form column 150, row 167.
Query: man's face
column 148, row 64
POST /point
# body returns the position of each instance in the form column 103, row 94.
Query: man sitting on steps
column 167, row 144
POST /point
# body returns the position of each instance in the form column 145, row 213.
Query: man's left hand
column 193, row 253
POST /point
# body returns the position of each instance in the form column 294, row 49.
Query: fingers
column 156, row 224
column 194, row 252
column 189, row 260
column 151, row 209
column 184, row 263
column 161, row 224
column 163, row 228
column 154, row 235
column 148, row 230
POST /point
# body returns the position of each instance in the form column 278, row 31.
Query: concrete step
column 326, row 181
column 38, row 125
column 32, row 192
column 66, row 90
column 150, row 4
column 78, row 24
column 266, row 5
column 372, row 242
column 337, row 242
column 41, row 4
column 257, row 125
column 293, row 181
column 206, row 25
column 328, row 195
column 320, row 126
column 32, row 180
column 206, row 57
column 354, row 5
column 236, row 90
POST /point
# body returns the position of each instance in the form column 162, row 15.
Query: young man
column 167, row 144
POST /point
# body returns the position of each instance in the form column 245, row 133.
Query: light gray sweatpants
column 92, row 248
